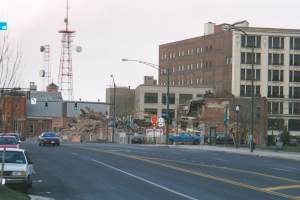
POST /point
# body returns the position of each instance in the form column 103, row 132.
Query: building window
column 243, row 76
column 251, row 41
column 276, row 42
column 276, row 59
column 246, row 74
column 294, row 76
column 275, row 91
column 294, row 108
column 150, row 97
column 294, row 124
column 275, row 75
column 242, row 91
column 275, row 108
column 183, row 98
column 150, row 111
column 294, row 60
column 171, row 98
column 246, row 58
column 294, row 92
column 295, row 43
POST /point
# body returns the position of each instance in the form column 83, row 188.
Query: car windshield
column 8, row 140
column 49, row 135
column 13, row 157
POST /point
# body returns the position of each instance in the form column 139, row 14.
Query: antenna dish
column 78, row 49
column 42, row 48
column 42, row 73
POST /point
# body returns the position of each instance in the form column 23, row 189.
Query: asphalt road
column 103, row 171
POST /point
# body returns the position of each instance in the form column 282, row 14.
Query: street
column 106, row 171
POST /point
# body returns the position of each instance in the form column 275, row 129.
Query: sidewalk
column 243, row 151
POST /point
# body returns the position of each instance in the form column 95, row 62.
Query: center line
column 145, row 180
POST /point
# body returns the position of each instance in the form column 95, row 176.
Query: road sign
column 154, row 120
column 33, row 100
column 3, row 26
column 161, row 122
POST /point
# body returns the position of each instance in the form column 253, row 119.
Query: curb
column 268, row 154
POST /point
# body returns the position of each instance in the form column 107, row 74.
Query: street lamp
column 237, row 110
column 230, row 27
column 114, row 109
column 157, row 67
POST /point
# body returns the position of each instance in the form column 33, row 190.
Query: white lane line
column 145, row 180
column 220, row 159
column 279, row 169
column 292, row 168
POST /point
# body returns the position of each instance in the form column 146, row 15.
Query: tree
column 285, row 136
column 10, row 61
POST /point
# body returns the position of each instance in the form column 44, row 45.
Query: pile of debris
column 89, row 122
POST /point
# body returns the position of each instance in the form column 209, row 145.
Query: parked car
column 138, row 138
column 16, row 135
column 8, row 142
column 18, row 169
column 49, row 138
column 185, row 138
column 224, row 139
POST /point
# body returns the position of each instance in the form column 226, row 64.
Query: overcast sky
column 109, row 30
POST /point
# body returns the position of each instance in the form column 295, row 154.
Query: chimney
column 32, row 86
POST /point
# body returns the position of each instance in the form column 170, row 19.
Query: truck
column 184, row 138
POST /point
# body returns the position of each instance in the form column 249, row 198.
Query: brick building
column 222, row 60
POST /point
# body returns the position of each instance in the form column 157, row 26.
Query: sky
column 109, row 30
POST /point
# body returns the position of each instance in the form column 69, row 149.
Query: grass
column 9, row 194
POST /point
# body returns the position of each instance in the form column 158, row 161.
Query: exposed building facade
column 124, row 101
column 150, row 99
column 222, row 60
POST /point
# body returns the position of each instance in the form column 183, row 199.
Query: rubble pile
column 89, row 122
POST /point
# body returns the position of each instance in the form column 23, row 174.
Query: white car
column 18, row 169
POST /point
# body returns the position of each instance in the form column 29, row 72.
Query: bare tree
column 10, row 60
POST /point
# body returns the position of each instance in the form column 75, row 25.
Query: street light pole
column 229, row 27
column 237, row 110
column 114, row 110
column 157, row 67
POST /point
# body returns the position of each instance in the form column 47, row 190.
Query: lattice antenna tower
column 65, row 75
column 45, row 73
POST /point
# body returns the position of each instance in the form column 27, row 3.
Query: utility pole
column 114, row 109
column 168, row 105
column 230, row 27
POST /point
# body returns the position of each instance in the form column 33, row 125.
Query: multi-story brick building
column 222, row 60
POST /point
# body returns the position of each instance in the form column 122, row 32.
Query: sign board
column 3, row 26
column 2, row 181
column 161, row 122
column 154, row 120
column 33, row 100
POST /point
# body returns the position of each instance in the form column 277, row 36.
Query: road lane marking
column 220, row 159
column 145, row 180
column 280, row 169
column 283, row 187
column 211, row 177
column 228, row 169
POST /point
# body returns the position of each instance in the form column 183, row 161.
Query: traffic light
column 76, row 106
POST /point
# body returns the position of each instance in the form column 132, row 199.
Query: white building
column 150, row 98
column 277, row 72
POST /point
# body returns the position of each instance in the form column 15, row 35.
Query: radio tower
column 46, row 71
column 65, row 76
